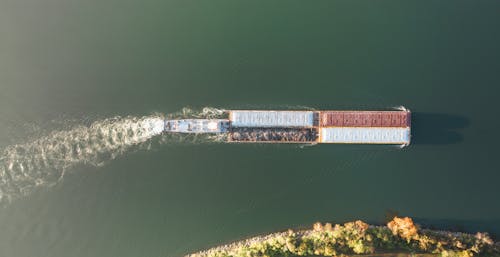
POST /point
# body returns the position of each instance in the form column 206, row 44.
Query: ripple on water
column 26, row 167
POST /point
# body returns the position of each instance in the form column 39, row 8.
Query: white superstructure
column 197, row 126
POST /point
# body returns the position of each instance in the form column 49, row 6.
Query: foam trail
column 26, row 167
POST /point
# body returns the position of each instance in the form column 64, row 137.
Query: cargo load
column 278, row 135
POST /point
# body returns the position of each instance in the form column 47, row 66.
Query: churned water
column 43, row 162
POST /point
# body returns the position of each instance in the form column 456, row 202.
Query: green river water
column 66, row 63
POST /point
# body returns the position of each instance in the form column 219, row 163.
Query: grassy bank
column 399, row 235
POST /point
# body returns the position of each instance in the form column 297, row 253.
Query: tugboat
column 197, row 126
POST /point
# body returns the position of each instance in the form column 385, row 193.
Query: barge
column 273, row 126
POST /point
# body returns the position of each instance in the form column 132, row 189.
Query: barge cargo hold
column 365, row 119
column 270, row 119
column 273, row 135
column 341, row 127
column 347, row 135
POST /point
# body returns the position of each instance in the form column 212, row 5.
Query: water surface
column 64, row 63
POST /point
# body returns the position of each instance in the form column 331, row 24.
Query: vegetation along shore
column 358, row 237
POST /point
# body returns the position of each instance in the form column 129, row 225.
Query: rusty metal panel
column 396, row 119
column 332, row 118
column 376, row 118
column 406, row 119
column 386, row 119
column 365, row 119
column 348, row 119
column 356, row 119
column 338, row 119
column 325, row 119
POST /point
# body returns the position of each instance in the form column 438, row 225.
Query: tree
column 403, row 227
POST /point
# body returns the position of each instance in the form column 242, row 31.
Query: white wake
column 26, row 167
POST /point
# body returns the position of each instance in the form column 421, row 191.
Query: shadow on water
column 437, row 128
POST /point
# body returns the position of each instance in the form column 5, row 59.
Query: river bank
column 358, row 237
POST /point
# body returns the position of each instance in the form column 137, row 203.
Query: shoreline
column 356, row 238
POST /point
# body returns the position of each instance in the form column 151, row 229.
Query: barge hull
column 365, row 119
